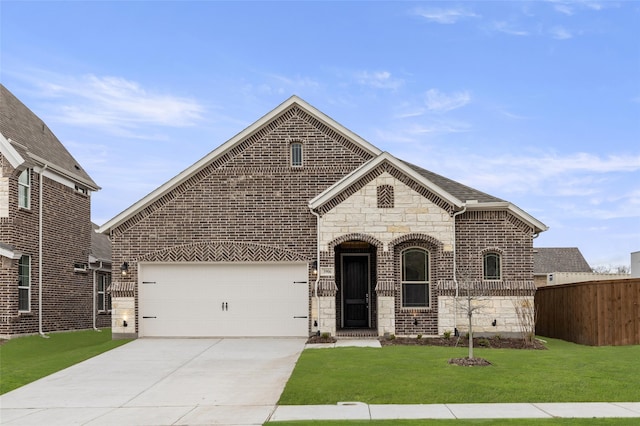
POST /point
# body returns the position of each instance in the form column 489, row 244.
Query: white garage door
column 203, row 299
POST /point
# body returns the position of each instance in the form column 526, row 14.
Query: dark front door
column 355, row 284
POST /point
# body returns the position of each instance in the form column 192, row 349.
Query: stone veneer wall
column 403, row 219
column 4, row 196
column 499, row 308
column 360, row 213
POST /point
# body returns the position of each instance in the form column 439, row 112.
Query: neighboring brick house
column 100, row 269
column 45, row 228
column 298, row 226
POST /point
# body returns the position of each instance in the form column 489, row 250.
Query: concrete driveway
column 162, row 382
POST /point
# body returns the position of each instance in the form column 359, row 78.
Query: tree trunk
column 470, row 315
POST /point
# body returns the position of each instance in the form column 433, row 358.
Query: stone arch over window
column 416, row 237
column 355, row 237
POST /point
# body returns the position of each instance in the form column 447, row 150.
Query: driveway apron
column 162, row 382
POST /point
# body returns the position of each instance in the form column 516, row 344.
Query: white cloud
column 579, row 175
column 439, row 127
column 117, row 104
column 508, row 28
column 560, row 33
column 563, row 8
column 442, row 102
column 569, row 7
column 282, row 85
column 378, row 79
column 445, row 16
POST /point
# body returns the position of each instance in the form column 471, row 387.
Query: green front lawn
column 566, row 372
column 26, row 359
column 458, row 422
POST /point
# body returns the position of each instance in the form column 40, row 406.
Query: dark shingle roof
column 30, row 135
column 458, row 190
column 558, row 259
column 100, row 244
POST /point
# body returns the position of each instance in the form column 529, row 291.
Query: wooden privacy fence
column 596, row 313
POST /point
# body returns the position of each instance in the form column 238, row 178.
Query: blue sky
column 536, row 102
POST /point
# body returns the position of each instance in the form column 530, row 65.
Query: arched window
column 296, row 154
column 491, row 269
column 415, row 278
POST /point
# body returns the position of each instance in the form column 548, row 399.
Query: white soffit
column 10, row 153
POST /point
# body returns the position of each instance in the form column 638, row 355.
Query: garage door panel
column 223, row 300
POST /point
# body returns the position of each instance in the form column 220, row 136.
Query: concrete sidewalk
column 361, row 411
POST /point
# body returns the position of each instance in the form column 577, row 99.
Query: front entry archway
column 356, row 294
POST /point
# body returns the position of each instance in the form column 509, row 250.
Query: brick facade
column 64, row 229
column 66, row 294
column 250, row 197
column 248, row 203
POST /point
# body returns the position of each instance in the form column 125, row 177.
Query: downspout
column 315, row 286
column 40, row 226
column 94, row 297
column 455, row 277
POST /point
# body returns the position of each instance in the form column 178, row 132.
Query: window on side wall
column 24, row 189
column 104, row 298
column 24, row 284
column 296, row 154
column 491, row 269
column 415, row 278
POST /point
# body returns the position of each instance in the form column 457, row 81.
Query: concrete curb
column 362, row 411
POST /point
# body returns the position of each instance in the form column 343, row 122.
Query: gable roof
column 100, row 246
column 363, row 170
column 456, row 194
column 458, row 190
column 459, row 196
column 558, row 259
column 230, row 144
column 27, row 141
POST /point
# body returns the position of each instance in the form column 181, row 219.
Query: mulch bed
column 478, row 342
column 320, row 339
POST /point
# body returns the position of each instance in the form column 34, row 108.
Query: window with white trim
column 296, row 154
column 491, row 266
column 24, row 284
column 24, row 189
column 104, row 298
column 415, row 278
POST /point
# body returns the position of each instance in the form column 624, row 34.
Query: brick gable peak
column 292, row 106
